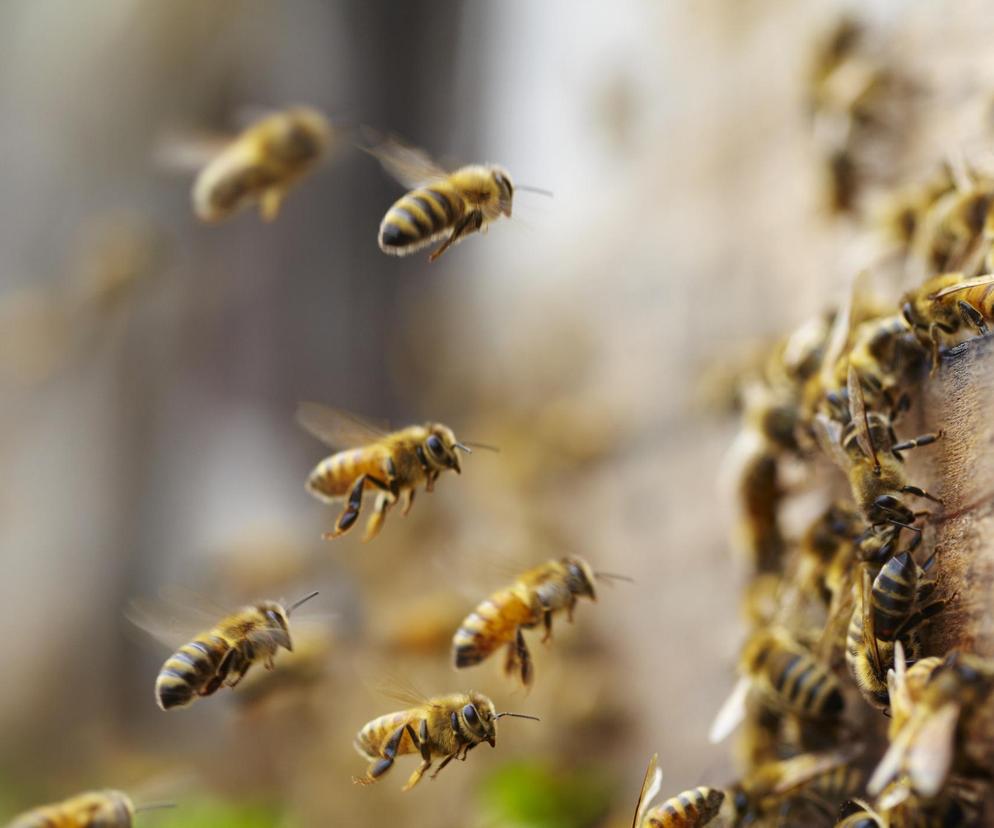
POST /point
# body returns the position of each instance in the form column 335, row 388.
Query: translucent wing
column 897, row 685
column 189, row 150
column 931, row 753
column 401, row 690
column 857, row 410
column 337, row 429
column 411, row 166
column 801, row 769
column 732, row 712
column 865, row 587
column 176, row 617
column 978, row 281
column 651, row 784
column 828, row 435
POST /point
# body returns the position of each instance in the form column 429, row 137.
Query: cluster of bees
column 258, row 169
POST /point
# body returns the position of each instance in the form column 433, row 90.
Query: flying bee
column 368, row 458
column 445, row 727
column 532, row 599
column 262, row 164
column 441, row 205
column 786, row 676
column 691, row 809
column 935, row 737
column 945, row 305
column 887, row 614
column 222, row 655
column 94, row 809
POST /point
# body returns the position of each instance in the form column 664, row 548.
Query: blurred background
column 150, row 367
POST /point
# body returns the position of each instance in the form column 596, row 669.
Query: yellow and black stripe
column 803, row 685
column 420, row 217
column 189, row 671
column 493, row 623
column 690, row 809
column 893, row 596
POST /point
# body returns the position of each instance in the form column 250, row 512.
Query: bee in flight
column 369, row 458
column 94, row 809
column 441, row 205
column 691, row 809
column 222, row 655
column 531, row 600
column 443, row 727
column 262, row 164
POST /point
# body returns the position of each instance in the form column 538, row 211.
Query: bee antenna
column 538, row 190
column 303, row 600
column 155, row 806
column 470, row 444
column 518, row 716
column 612, row 576
column 463, row 447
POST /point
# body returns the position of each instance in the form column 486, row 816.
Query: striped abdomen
column 981, row 297
column 690, row 809
column 420, row 217
column 371, row 740
column 99, row 809
column 189, row 670
column 871, row 685
column 492, row 624
column 893, row 596
column 333, row 477
column 801, row 684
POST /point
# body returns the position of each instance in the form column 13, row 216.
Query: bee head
column 276, row 623
column 479, row 719
column 505, row 189
column 579, row 577
column 441, row 448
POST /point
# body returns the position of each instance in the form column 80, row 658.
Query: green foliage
column 211, row 813
column 535, row 795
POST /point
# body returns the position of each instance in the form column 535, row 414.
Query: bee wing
column 865, row 587
column 931, row 754
column 732, row 712
column 857, row 410
column 651, row 784
column 401, row 690
column 411, row 166
column 798, row 770
column 176, row 617
column 828, row 435
column 835, row 346
column 186, row 151
column 897, row 685
column 336, row 428
column 966, row 284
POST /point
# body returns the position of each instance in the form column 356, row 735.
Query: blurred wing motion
column 411, row 166
column 651, row 784
column 335, row 428
column 188, row 151
column 732, row 712
column 176, row 617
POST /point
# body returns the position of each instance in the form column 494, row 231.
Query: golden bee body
column 94, row 809
column 693, row 808
column 532, row 599
column 393, row 464
column 262, row 164
column 221, row 656
column 443, row 727
column 943, row 307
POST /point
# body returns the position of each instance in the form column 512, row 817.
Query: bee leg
column 408, row 501
column 269, row 204
column 351, row 511
column 973, row 317
column 547, row 623
column 933, row 334
column 382, row 765
column 421, row 742
column 924, row 440
column 384, row 501
column 919, row 492
column 444, row 762
column 469, row 223
column 466, row 751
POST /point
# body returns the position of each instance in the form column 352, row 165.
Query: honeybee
column 953, row 233
column 94, row 809
column 887, row 614
column 223, row 655
column 935, row 734
column 445, row 727
column 262, row 164
column 393, row 463
column 960, row 803
column 532, row 599
column 441, row 204
column 904, row 214
column 943, row 306
column 691, row 809
column 786, row 676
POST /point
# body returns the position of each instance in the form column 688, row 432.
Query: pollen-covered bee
column 222, row 655
column 393, row 463
column 936, row 736
column 691, row 809
column 786, row 677
column 262, row 164
column 942, row 307
column 443, row 727
column 441, row 204
column 531, row 600
column 94, row 809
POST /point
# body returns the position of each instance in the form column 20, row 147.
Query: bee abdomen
column 188, row 670
column 417, row 218
column 483, row 631
column 690, row 809
column 893, row 596
column 807, row 687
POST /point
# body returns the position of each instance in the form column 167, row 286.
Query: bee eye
column 435, row 446
column 470, row 715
